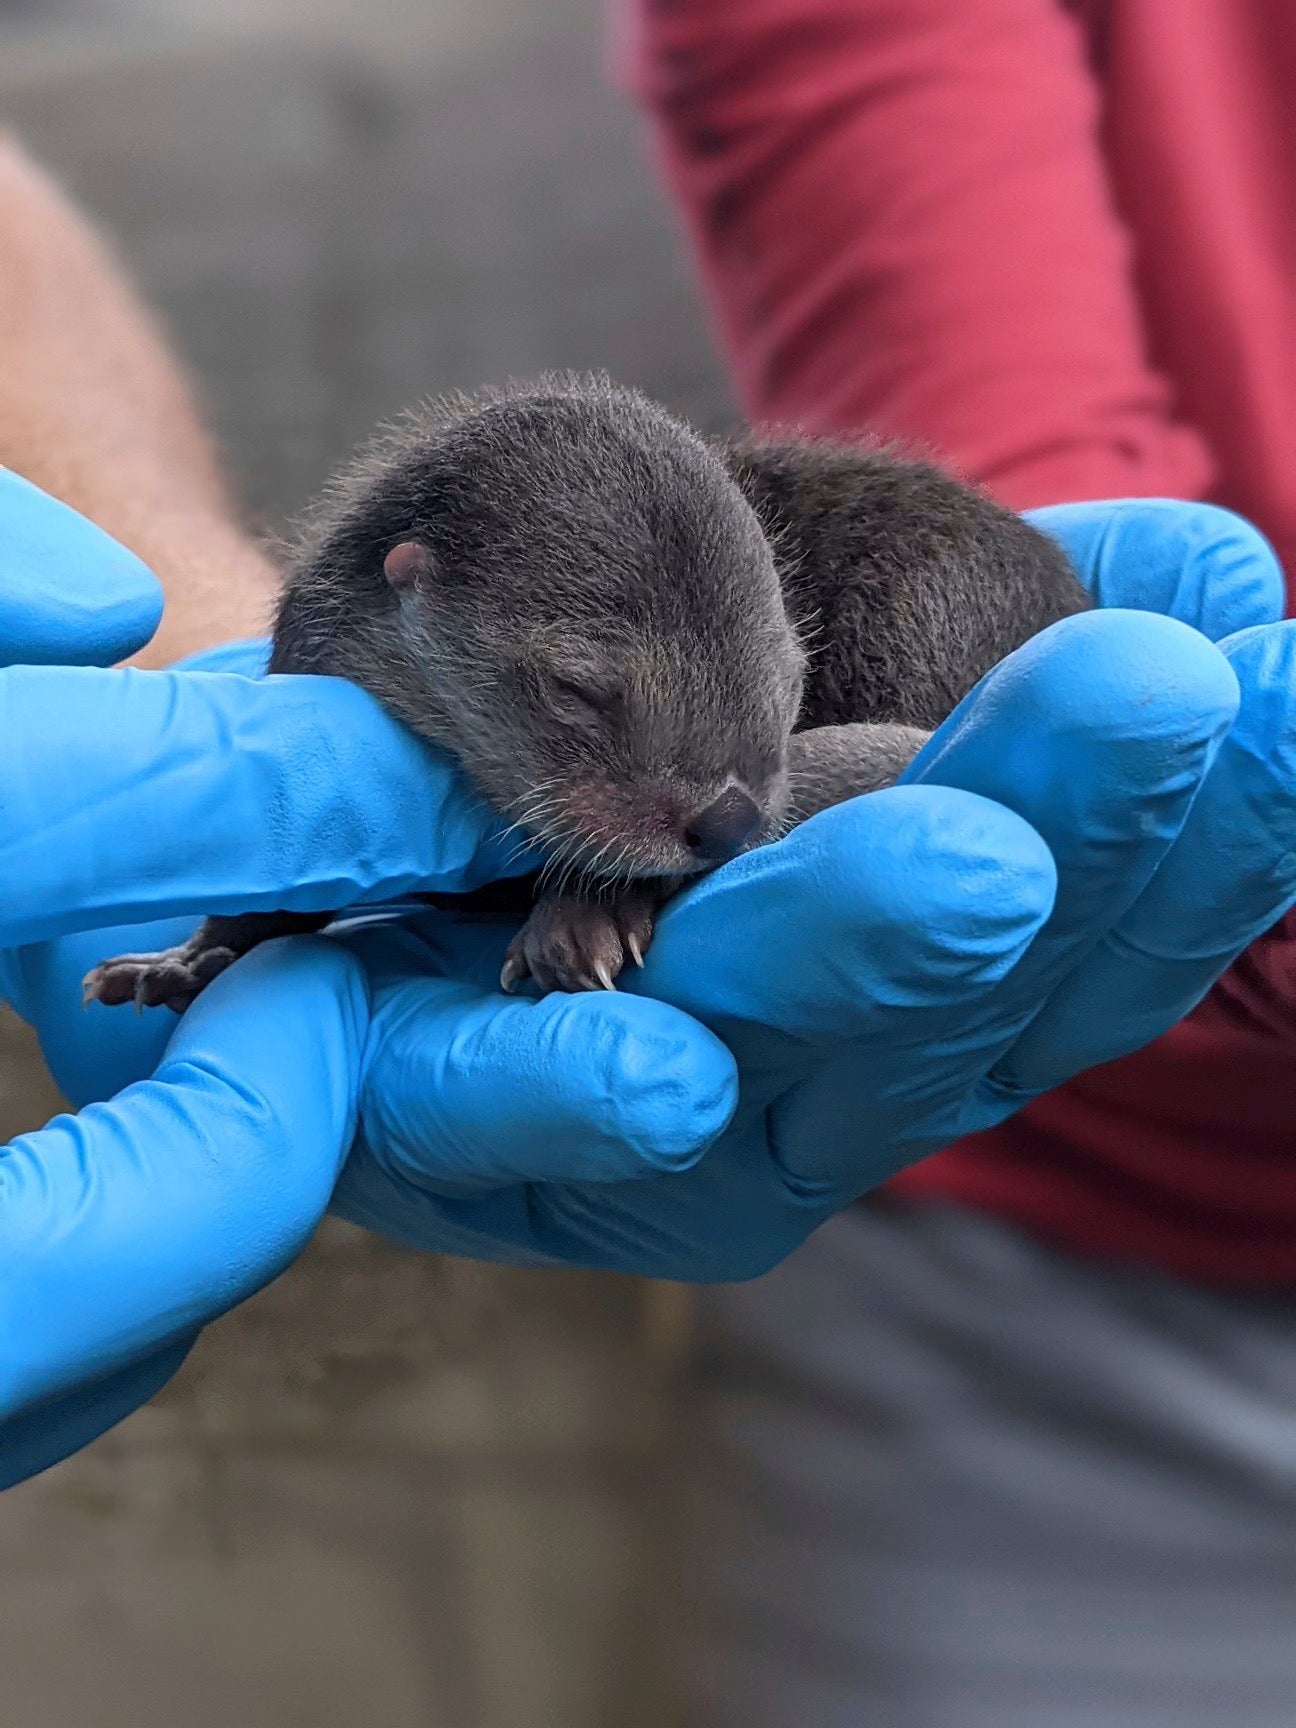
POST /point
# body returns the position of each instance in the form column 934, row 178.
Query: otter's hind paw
column 172, row 978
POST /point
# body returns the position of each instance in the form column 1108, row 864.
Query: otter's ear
column 407, row 564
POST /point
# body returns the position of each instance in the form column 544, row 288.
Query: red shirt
column 1056, row 242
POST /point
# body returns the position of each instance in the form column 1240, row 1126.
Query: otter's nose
column 721, row 830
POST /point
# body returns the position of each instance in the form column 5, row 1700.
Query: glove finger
column 54, row 1430
column 128, row 1226
column 1098, row 734
column 69, row 594
column 249, row 656
column 467, row 1089
column 889, row 909
column 1194, row 562
column 136, row 795
column 1231, row 875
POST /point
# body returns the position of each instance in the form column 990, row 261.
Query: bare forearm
column 94, row 409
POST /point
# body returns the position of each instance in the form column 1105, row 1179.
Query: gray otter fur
column 648, row 649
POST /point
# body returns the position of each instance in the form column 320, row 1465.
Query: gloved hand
column 115, row 1236
column 1083, row 848
column 124, row 1229
column 897, row 972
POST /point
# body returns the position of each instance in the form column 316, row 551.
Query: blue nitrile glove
column 865, row 971
column 123, row 1229
column 1083, row 848
column 116, row 1235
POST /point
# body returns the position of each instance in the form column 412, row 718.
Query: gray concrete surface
column 387, row 1491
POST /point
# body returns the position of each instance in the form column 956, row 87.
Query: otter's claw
column 572, row 944
column 513, row 972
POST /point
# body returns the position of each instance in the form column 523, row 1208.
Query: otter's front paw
column 572, row 944
column 172, row 978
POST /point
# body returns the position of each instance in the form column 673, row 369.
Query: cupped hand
column 1081, row 850
column 117, row 1237
column 215, row 1142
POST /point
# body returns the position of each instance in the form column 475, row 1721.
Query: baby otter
column 649, row 650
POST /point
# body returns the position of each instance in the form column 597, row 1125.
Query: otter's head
column 564, row 587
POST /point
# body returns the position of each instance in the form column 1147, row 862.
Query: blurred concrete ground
column 386, row 1491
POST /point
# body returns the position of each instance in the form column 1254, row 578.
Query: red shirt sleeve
column 903, row 220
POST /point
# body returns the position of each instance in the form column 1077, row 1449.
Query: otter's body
column 909, row 585
column 649, row 650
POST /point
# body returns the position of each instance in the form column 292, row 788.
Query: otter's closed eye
column 574, row 693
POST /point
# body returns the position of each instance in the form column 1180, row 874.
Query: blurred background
column 387, row 1490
